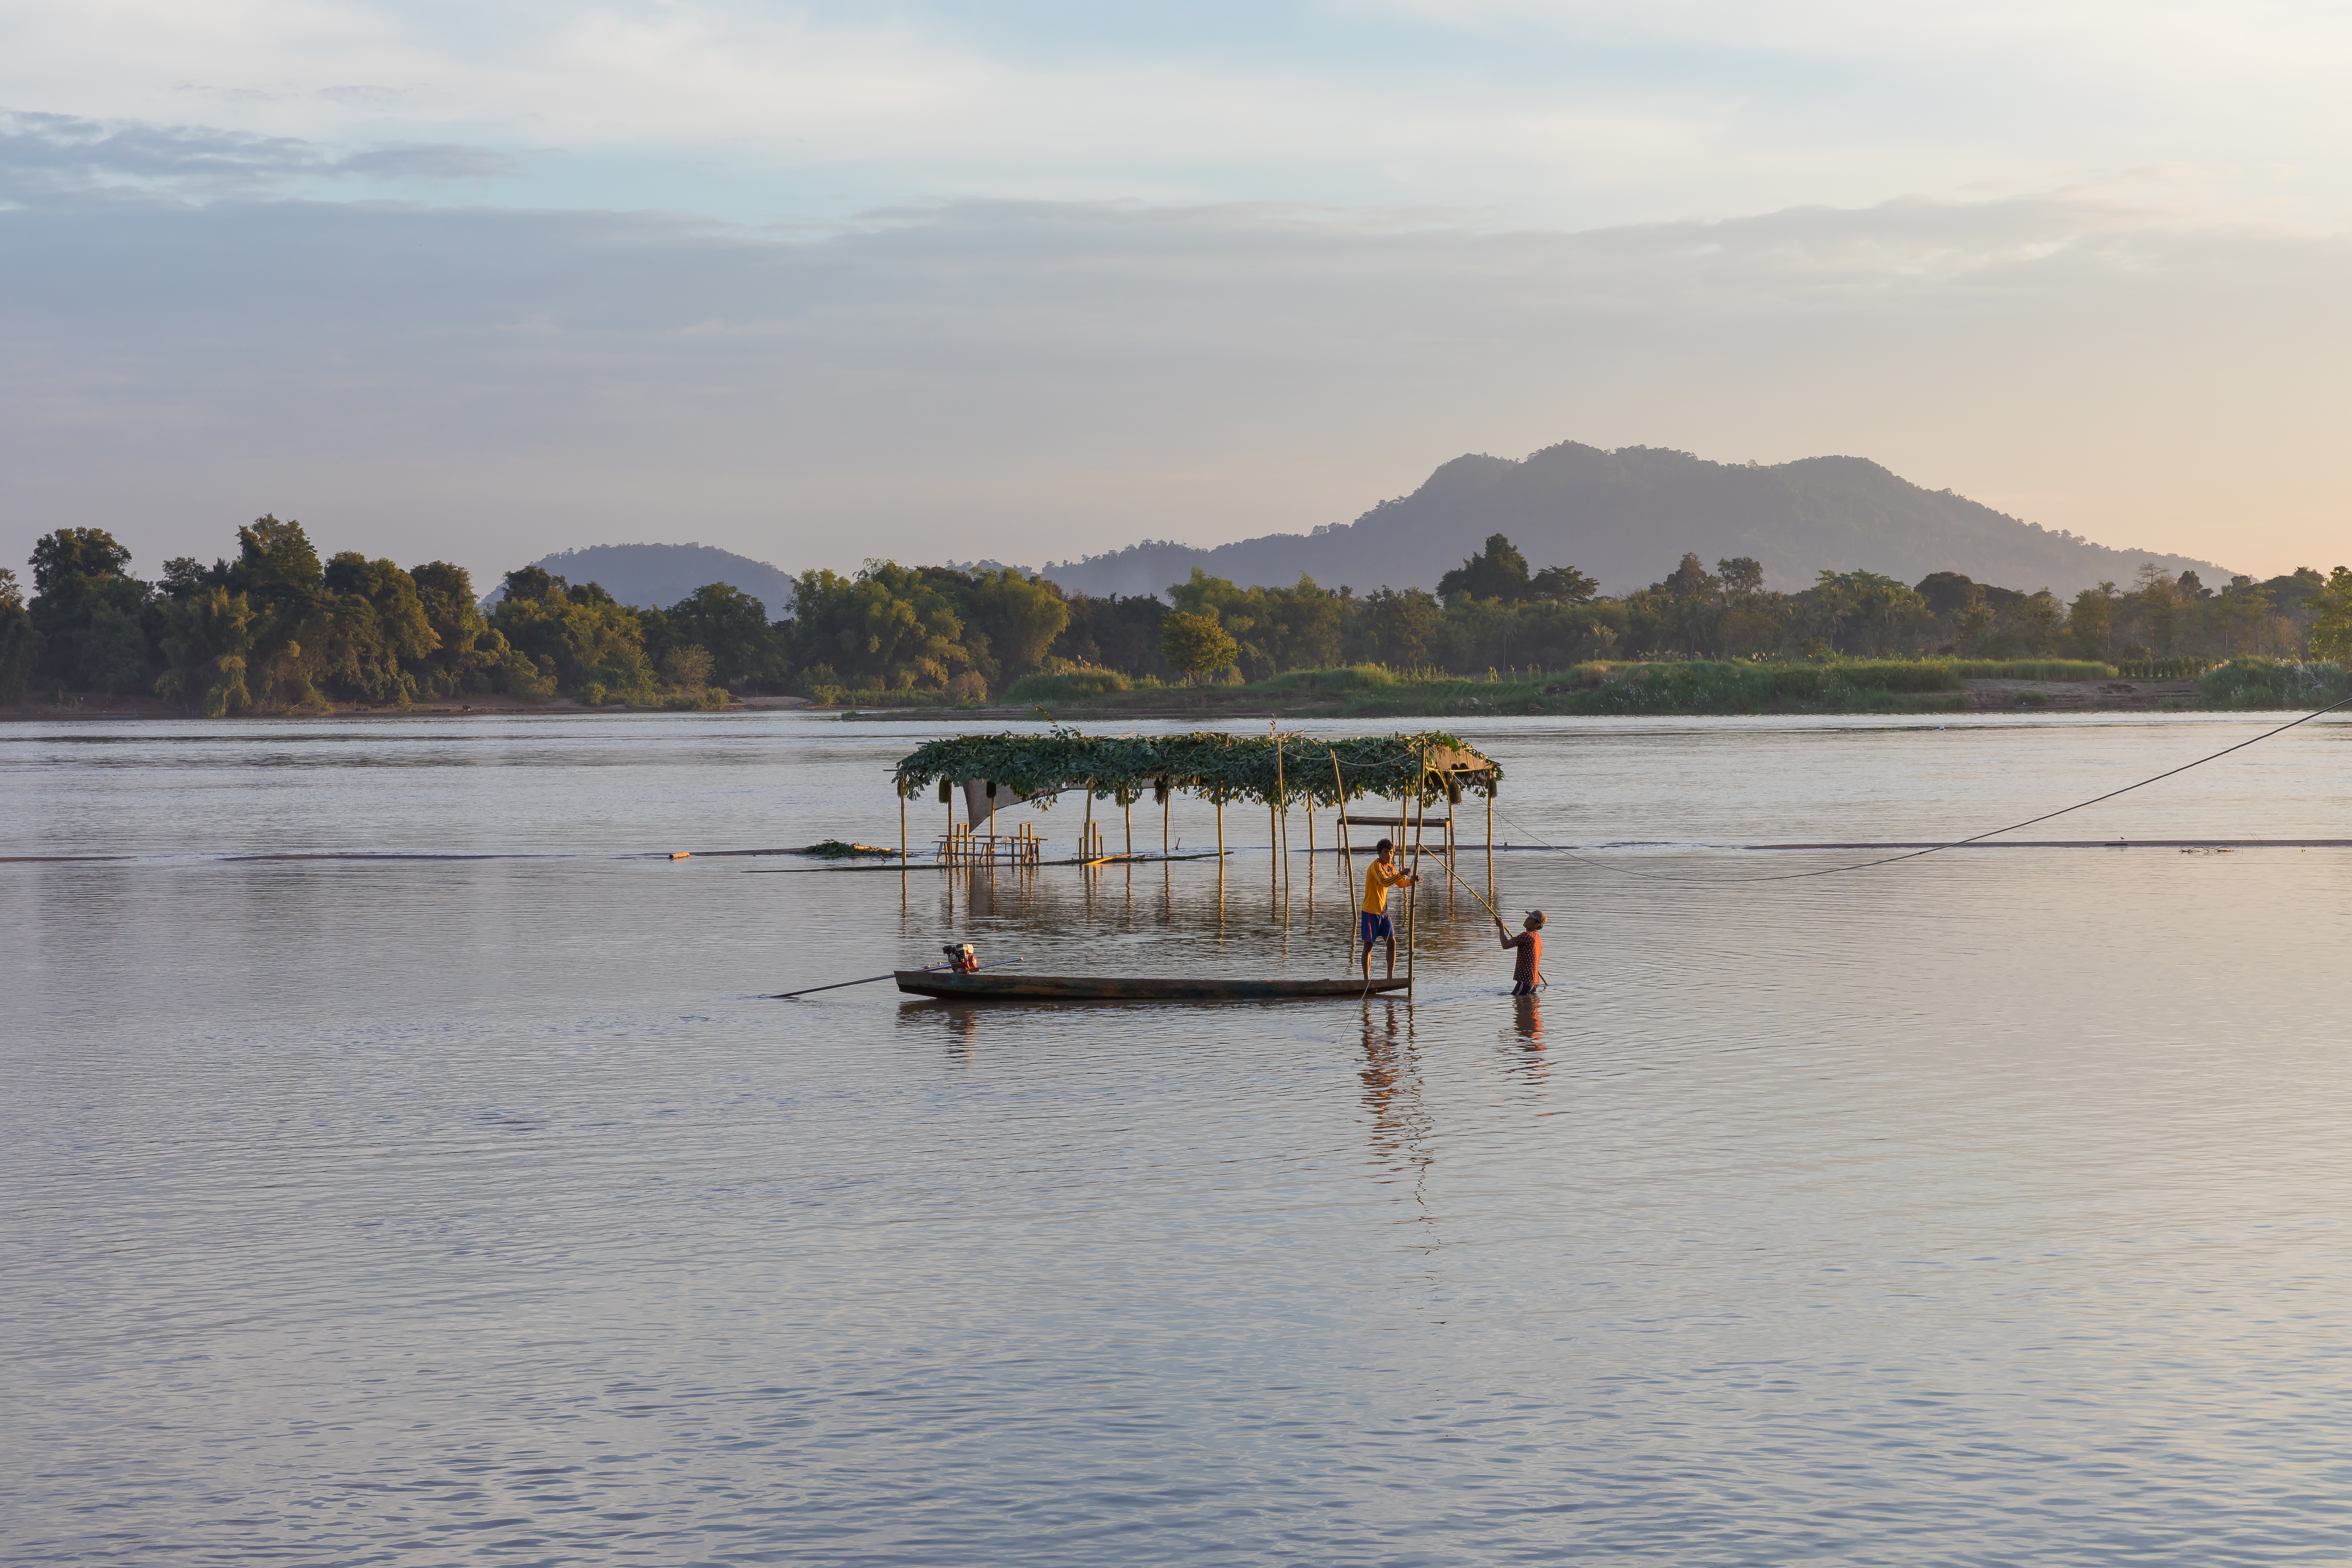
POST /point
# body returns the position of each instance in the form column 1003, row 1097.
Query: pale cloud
column 1571, row 114
column 58, row 155
column 1050, row 379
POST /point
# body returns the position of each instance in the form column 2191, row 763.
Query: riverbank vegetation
column 276, row 628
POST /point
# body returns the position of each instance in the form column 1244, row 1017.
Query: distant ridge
column 655, row 577
column 1627, row 516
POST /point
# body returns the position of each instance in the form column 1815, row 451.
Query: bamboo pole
column 1310, row 858
column 1126, row 809
column 1282, row 800
column 1490, row 843
column 1412, row 889
column 1086, row 831
column 1167, row 802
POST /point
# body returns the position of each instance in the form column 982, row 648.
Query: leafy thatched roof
column 1125, row 768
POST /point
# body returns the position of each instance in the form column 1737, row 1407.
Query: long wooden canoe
column 1126, row 988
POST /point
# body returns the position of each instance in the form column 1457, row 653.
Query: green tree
column 277, row 573
column 2090, row 626
column 2331, row 622
column 377, row 634
column 87, row 608
column 2034, row 623
column 732, row 629
column 1196, row 645
column 887, row 628
column 575, row 639
column 1401, row 627
column 1497, row 571
column 1742, row 575
column 207, row 641
column 2243, row 611
column 687, row 668
column 1020, row 616
column 466, row 654
column 20, row 645
column 1865, row 613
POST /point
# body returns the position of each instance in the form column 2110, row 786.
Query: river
column 403, row 1163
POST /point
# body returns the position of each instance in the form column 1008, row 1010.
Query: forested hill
column 655, row 576
column 1615, row 515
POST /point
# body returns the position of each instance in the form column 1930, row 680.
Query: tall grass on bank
column 2268, row 683
column 1642, row 687
column 2186, row 668
column 1077, row 685
column 1711, row 688
column 2032, row 669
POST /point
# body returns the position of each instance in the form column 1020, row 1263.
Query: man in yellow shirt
column 1385, row 874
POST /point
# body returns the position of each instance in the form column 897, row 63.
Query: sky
column 1026, row 282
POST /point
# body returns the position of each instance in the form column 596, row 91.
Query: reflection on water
column 1989, row 1208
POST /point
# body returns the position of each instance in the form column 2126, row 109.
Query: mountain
column 1627, row 516
column 655, row 577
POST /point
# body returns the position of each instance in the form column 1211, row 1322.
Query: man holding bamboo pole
column 1373, row 917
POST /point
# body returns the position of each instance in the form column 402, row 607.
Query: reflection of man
column 1385, row 873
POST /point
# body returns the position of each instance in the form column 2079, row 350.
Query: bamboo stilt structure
column 1086, row 831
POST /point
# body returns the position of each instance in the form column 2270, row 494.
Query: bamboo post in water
column 1282, row 801
column 1086, row 831
column 1490, row 842
column 1412, row 889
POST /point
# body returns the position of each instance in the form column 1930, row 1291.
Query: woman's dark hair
column 1384, row 843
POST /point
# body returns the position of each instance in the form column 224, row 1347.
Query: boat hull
column 1127, row 988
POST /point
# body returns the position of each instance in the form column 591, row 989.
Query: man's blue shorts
column 1377, row 928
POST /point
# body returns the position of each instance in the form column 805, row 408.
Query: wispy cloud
column 46, row 156
column 1570, row 113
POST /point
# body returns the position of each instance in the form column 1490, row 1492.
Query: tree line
column 275, row 627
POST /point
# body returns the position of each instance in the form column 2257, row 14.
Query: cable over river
column 405, row 1161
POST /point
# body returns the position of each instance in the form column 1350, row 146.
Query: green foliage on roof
column 1125, row 768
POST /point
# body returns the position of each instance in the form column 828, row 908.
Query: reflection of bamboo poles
column 1347, row 857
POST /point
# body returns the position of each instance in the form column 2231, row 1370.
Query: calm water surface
column 1985, row 1209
